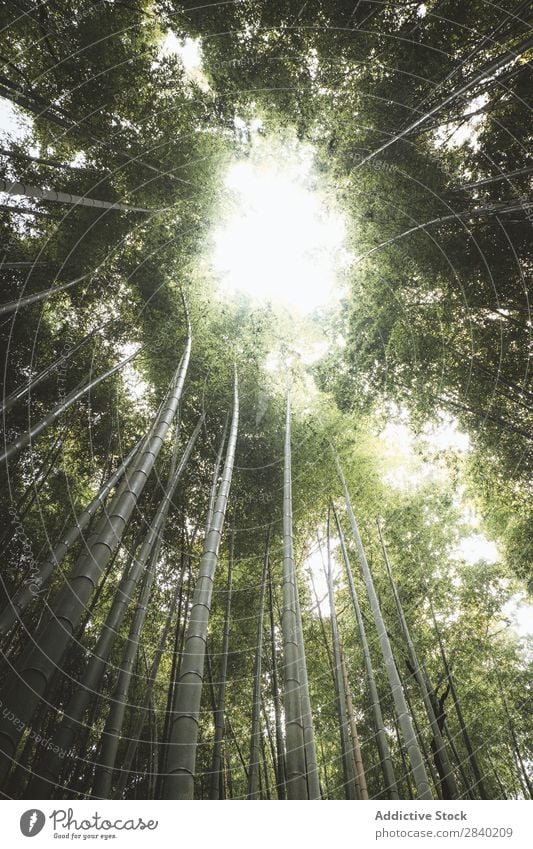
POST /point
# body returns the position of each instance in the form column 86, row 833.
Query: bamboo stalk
column 216, row 764
column 356, row 744
column 27, row 684
column 379, row 725
column 179, row 780
column 404, row 716
column 255, row 736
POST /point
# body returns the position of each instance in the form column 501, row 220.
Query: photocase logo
column 32, row 822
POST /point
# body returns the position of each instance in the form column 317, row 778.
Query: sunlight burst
column 281, row 241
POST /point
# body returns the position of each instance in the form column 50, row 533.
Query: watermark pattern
column 45, row 742
column 32, row 579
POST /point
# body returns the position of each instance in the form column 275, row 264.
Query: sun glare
column 280, row 242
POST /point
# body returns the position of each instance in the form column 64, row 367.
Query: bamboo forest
column 266, row 410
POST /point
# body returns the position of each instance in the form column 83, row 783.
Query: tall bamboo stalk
column 217, row 759
column 360, row 776
column 325, row 771
column 379, row 725
column 404, row 717
column 152, row 759
column 179, row 638
column 19, row 393
column 311, row 762
column 407, row 777
column 235, row 739
column 174, row 667
column 214, row 482
column 24, row 190
column 516, row 746
column 266, row 780
column 428, row 760
column 115, row 719
column 280, row 753
column 89, row 681
column 442, row 762
column 255, row 736
column 30, row 589
column 271, row 741
column 297, row 785
column 467, row 790
column 472, row 758
column 12, row 306
column 140, row 719
column 179, row 780
column 28, row 682
column 26, row 438
column 228, row 778
column 346, row 752
column 321, row 618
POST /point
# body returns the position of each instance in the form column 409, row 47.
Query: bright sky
column 458, row 132
column 279, row 239
column 316, row 565
column 407, row 470
column 190, row 53
column 12, row 120
column 520, row 612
